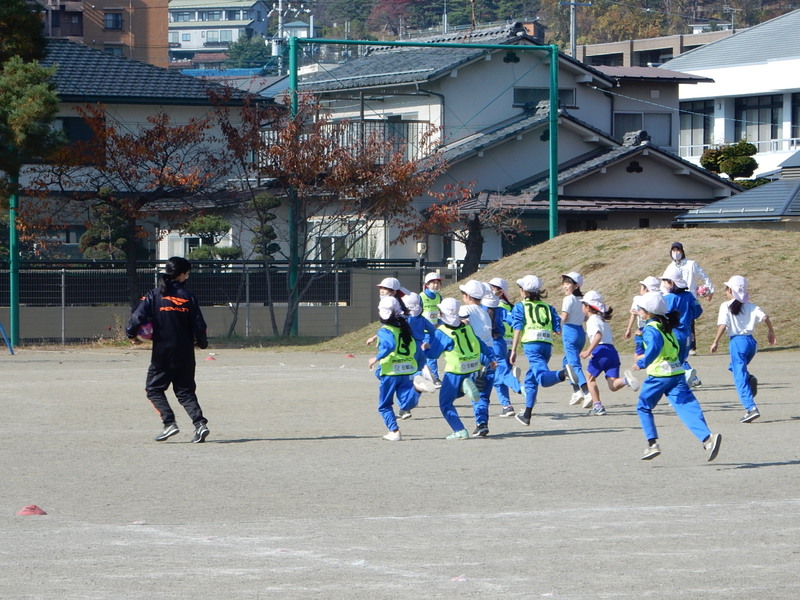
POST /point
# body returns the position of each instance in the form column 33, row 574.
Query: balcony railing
column 777, row 145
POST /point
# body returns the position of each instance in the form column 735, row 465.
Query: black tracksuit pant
column 183, row 385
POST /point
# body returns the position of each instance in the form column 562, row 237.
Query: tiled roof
column 577, row 204
column 772, row 40
column 769, row 202
column 651, row 74
column 88, row 75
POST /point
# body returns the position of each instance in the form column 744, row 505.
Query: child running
column 739, row 317
column 422, row 330
column 431, row 297
column 665, row 377
column 464, row 353
column 573, row 335
column 504, row 378
column 648, row 284
column 534, row 322
column 602, row 355
column 396, row 363
column 679, row 299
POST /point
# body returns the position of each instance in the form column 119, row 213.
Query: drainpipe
column 441, row 104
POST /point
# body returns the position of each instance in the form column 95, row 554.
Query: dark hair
column 606, row 316
column 402, row 324
column 535, row 296
column 735, row 307
column 669, row 321
column 174, row 267
column 577, row 291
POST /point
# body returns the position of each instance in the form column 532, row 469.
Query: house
column 772, row 206
column 484, row 104
column 134, row 30
column 754, row 92
column 209, row 26
column 131, row 92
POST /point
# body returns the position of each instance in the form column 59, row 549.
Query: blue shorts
column 604, row 358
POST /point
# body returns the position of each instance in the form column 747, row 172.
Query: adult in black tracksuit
column 177, row 325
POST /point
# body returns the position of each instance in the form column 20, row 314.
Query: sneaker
column 587, row 401
column 695, row 383
column 422, row 385
column 516, row 373
column 690, row 375
column 598, row 410
column 393, row 436
column 168, row 432
column 577, row 398
column 200, row 434
column 437, row 382
column 482, row 430
column 570, row 374
column 750, row 415
column 471, row 390
column 507, row 411
column 712, row 446
column 651, row 452
column 523, row 419
column 753, row 382
column 458, row 435
column 403, row 414
column 633, row 382
column 692, row 352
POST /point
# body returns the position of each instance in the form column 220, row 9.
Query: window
column 55, row 18
column 657, row 125
column 232, row 15
column 74, row 129
column 211, row 15
column 796, row 115
column 183, row 16
column 331, row 247
column 697, row 126
column 758, row 118
column 114, row 50
column 186, row 37
column 112, row 20
column 173, row 37
column 212, row 36
column 532, row 96
column 226, row 35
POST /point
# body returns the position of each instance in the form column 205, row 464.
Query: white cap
column 595, row 300
column 501, row 283
column 738, row 287
column 650, row 283
column 653, row 302
column 673, row 273
column 474, row 289
column 389, row 307
column 530, row 283
column 490, row 300
column 576, row 277
column 448, row 312
column 390, row 283
column 432, row 277
column 413, row 303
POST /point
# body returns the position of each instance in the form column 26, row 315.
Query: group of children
column 478, row 337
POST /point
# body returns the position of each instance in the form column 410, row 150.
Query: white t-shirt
column 574, row 308
column 745, row 322
column 595, row 324
column 479, row 320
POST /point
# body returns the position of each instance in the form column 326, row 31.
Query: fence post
column 246, row 301
column 336, row 299
column 63, row 307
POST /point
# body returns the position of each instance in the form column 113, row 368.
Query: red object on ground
column 209, row 358
column 349, row 355
column 31, row 509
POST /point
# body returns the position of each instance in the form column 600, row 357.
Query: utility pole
column 573, row 25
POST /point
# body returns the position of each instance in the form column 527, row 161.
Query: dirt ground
column 295, row 494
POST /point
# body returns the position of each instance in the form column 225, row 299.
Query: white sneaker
column 690, row 374
column 651, row 452
column 393, row 436
column 633, row 382
column 587, row 401
column 577, row 398
column 516, row 372
column 422, row 385
column 712, row 446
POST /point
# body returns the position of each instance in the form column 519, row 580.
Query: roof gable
column 88, row 75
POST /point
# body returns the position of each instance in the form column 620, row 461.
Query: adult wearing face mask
column 697, row 282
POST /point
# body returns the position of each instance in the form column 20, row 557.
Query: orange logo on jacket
column 177, row 302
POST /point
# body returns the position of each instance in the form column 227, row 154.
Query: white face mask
column 677, row 255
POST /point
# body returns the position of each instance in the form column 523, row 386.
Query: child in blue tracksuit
column 739, row 317
column 464, row 353
column 573, row 335
column 510, row 380
column 431, row 298
column 665, row 377
column 534, row 323
column 397, row 363
column 503, row 377
column 679, row 299
column 422, row 330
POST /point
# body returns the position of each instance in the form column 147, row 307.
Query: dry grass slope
column 612, row 262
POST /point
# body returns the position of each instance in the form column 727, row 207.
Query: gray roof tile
column 768, row 202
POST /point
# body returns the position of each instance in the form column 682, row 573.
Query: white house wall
column 649, row 97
